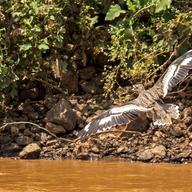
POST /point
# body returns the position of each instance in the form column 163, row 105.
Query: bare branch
column 36, row 125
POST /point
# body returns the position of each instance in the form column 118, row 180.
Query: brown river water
column 94, row 176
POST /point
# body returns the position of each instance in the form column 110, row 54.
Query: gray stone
column 159, row 151
column 122, row 149
column 26, row 108
column 83, row 156
column 52, row 142
column 10, row 147
column 91, row 87
column 31, row 151
column 27, row 132
column 23, row 140
column 14, row 131
column 70, row 82
column 33, row 115
column 55, row 128
column 188, row 120
column 187, row 112
column 61, row 115
column 43, row 137
column 87, row 73
column 145, row 155
column 177, row 132
column 4, row 139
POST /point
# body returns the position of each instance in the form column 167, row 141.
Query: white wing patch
column 167, row 78
column 177, row 72
column 86, row 129
column 127, row 108
column 186, row 61
column 105, row 120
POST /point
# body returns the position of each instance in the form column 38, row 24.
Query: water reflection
column 95, row 176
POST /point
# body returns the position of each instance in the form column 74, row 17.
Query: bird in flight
column 148, row 105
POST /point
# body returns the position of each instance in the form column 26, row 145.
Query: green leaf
column 131, row 5
column 43, row 46
column 114, row 12
column 163, row 5
column 93, row 20
column 144, row 2
column 25, row 47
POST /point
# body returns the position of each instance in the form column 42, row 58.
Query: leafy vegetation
column 143, row 37
column 136, row 36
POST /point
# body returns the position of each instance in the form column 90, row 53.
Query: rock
column 55, row 128
column 27, row 132
column 91, row 87
column 87, row 73
column 187, row 120
column 23, row 140
column 99, row 79
column 184, row 154
column 33, row 90
column 79, row 58
column 145, row 155
column 49, row 102
column 21, row 126
column 187, row 112
column 70, row 82
column 26, row 108
column 14, row 131
column 43, row 137
column 31, row 151
column 29, row 94
column 101, row 59
column 33, row 116
column 95, row 149
column 177, row 132
column 122, row 149
column 4, row 139
column 159, row 151
column 10, row 148
column 80, row 120
column 83, row 156
column 53, row 142
column 61, row 115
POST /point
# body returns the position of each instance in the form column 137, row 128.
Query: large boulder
column 87, row 73
column 31, row 151
column 91, row 87
column 61, row 118
column 23, row 140
column 70, row 82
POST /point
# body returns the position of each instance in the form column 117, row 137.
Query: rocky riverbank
column 65, row 117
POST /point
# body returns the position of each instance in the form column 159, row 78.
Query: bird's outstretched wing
column 175, row 73
column 116, row 116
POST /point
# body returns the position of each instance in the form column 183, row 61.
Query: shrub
column 143, row 36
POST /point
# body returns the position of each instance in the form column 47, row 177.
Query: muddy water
column 83, row 176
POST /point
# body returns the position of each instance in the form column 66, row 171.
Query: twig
column 117, row 131
column 36, row 125
column 181, row 90
column 147, row 56
column 162, row 66
column 50, row 85
column 140, row 10
column 169, row 59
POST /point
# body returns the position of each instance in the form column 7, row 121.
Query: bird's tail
column 165, row 114
column 172, row 110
